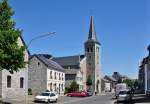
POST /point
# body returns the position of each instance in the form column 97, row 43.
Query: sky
column 122, row 28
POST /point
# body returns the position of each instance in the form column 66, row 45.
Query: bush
column 29, row 91
column 89, row 81
column 74, row 86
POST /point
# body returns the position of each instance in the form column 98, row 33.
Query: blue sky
column 122, row 27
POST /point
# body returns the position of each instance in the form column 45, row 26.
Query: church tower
column 93, row 58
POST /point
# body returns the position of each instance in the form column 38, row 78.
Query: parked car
column 125, row 95
column 77, row 94
column 46, row 97
column 89, row 92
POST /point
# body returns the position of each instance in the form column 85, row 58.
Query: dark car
column 124, row 96
column 89, row 92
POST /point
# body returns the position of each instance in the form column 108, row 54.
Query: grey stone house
column 14, row 86
column 119, row 77
column 112, row 81
column 74, row 69
column 45, row 74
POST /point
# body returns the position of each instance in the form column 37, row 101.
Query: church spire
column 92, row 32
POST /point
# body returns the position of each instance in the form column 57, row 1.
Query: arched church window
column 88, row 50
column 91, row 49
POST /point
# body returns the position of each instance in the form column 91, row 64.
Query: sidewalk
column 141, row 99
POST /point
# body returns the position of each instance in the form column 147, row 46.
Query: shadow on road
column 138, row 98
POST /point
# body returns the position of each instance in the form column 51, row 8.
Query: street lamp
column 41, row 36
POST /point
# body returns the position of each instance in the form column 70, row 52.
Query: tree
column 89, row 81
column 74, row 86
column 11, row 54
column 129, row 82
column 119, row 81
column 136, row 83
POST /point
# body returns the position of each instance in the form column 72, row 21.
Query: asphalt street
column 100, row 99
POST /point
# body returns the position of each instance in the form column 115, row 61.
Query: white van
column 120, row 87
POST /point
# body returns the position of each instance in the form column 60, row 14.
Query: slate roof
column 25, row 45
column 105, row 80
column 45, row 58
column 110, row 78
column 71, row 71
column 68, row 60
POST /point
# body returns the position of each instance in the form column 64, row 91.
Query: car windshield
column 124, row 92
column 44, row 94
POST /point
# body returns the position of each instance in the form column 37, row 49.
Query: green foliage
column 74, row 86
column 67, row 90
column 119, row 81
column 136, row 83
column 29, row 91
column 129, row 82
column 89, row 80
column 11, row 54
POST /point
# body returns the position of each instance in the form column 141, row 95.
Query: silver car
column 124, row 96
column 46, row 97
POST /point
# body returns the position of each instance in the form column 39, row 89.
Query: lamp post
column 40, row 36
column 26, row 73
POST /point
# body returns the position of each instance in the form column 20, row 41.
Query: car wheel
column 48, row 101
column 56, row 101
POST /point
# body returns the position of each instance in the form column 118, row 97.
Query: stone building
column 112, row 82
column 88, row 64
column 75, row 68
column 119, row 77
column 14, row 86
column 141, row 75
column 144, row 74
column 46, row 74
column 105, row 85
column 93, row 58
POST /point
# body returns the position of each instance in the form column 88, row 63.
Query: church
column 68, row 68
column 80, row 67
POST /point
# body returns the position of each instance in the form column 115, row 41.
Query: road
column 96, row 99
column 99, row 99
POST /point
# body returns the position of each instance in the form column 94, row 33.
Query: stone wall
column 15, row 92
column 37, row 76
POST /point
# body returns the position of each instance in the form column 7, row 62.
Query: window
column 62, row 77
column 38, row 63
column 62, row 87
column 55, row 87
column 91, row 49
column 88, row 50
column 89, row 57
column 51, row 89
column 55, row 75
column 89, row 64
column 8, row 81
column 51, row 75
column 21, row 82
column 59, row 76
column 52, row 94
column 97, row 49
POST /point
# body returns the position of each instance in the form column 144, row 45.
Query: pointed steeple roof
column 92, row 32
